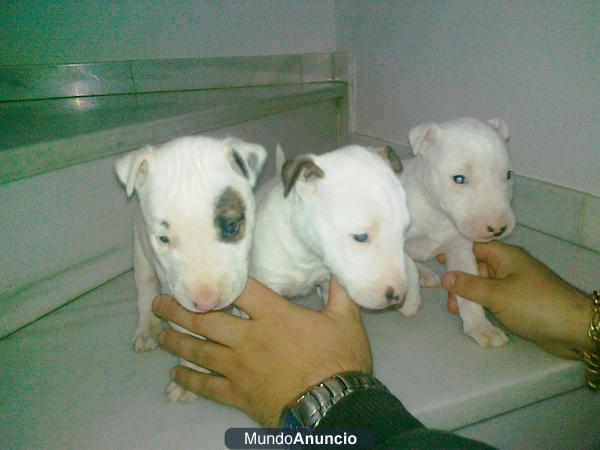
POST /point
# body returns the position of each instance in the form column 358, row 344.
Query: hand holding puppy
column 526, row 297
column 270, row 359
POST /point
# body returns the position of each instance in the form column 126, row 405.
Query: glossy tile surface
column 68, row 80
column 210, row 73
column 39, row 136
column 161, row 75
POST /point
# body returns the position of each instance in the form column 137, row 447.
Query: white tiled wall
column 590, row 226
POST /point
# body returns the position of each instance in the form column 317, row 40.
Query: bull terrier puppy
column 193, row 226
column 343, row 212
column 459, row 188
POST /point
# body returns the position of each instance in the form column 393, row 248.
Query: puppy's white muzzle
column 484, row 228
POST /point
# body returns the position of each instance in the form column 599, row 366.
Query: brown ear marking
column 392, row 158
column 293, row 168
column 236, row 160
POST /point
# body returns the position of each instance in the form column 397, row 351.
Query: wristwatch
column 308, row 409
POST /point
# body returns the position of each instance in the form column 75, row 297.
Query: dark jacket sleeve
column 394, row 426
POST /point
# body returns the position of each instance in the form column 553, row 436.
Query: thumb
column 338, row 301
column 472, row 287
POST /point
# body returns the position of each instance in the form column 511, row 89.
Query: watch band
column 308, row 409
column 592, row 358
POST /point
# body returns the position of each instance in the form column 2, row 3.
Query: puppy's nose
column 391, row 295
column 205, row 300
column 497, row 233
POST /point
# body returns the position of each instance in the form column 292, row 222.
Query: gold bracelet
column 592, row 359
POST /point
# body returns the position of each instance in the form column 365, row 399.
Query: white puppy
column 343, row 212
column 459, row 188
column 193, row 227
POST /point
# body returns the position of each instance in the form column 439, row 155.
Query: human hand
column 526, row 297
column 269, row 360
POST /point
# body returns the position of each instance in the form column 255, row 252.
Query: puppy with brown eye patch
column 342, row 212
column 193, row 227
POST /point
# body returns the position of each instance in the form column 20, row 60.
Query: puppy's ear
column 132, row 169
column 246, row 159
column 501, row 127
column 389, row 155
column 303, row 173
column 422, row 136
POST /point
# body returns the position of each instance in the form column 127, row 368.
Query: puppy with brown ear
column 342, row 212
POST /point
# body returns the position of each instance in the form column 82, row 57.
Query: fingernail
column 161, row 338
column 155, row 302
column 448, row 280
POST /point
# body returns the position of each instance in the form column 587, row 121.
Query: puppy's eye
column 164, row 239
column 509, row 174
column 230, row 229
column 459, row 179
column 360, row 237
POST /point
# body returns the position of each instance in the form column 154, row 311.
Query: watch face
column 289, row 421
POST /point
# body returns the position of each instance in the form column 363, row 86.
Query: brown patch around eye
column 230, row 216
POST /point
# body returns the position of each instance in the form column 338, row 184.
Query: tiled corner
column 317, row 67
column 548, row 208
column 341, row 67
column 590, row 228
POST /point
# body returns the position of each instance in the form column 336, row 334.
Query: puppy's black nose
column 497, row 233
column 390, row 295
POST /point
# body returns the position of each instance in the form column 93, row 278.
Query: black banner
column 280, row 438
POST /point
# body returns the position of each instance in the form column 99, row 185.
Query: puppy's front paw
column 146, row 338
column 411, row 304
column 176, row 393
column 427, row 277
column 487, row 335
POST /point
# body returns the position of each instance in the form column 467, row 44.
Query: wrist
column 309, row 408
column 579, row 325
column 591, row 358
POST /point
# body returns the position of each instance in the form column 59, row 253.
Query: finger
column 213, row 387
column 471, row 287
column 500, row 258
column 203, row 353
column 339, row 302
column 452, row 303
column 441, row 258
column 256, row 298
column 217, row 326
column 483, row 270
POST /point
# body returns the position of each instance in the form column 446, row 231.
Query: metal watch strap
column 592, row 358
column 313, row 404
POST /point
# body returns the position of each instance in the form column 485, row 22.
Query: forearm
column 393, row 425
